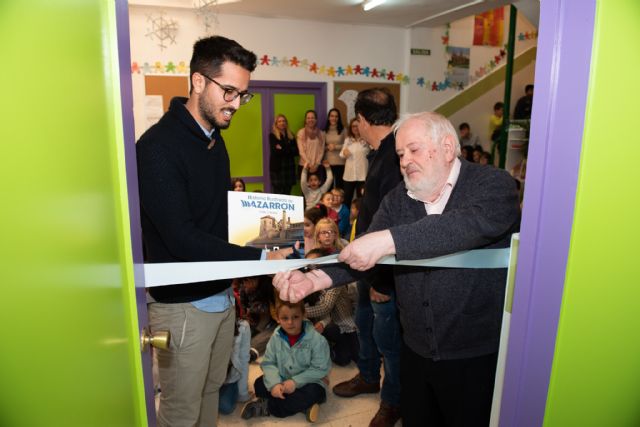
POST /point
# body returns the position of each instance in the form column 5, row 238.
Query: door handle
column 159, row 339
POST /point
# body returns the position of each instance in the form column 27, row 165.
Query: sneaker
column 312, row 413
column 256, row 408
column 387, row 416
column 355, row 386
column 253, row 354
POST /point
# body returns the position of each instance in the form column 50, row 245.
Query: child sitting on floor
column 332, row 314
column 327, row 236
column 295, row 367
column 327, row 201
column 343, row 212
column 235, row 387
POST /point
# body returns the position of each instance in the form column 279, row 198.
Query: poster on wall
column 153, row 110
column 345, row 94
column 458, row 67
column 159, row 90
column 264, row 220
column 488, row 28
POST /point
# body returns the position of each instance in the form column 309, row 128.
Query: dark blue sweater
column 183, row 198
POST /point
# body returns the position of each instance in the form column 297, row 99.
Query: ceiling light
column 446, row 12
column 370, row 4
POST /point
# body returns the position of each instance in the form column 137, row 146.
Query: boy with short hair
column 466, row 137
column 496, row 120
column 295, row 366
column 342, row 212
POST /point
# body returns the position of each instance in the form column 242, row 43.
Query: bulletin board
column 167, row 87
column 345, row 93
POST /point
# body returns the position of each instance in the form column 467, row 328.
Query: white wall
column 325, row 44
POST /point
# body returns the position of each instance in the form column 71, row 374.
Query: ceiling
column 393, row 13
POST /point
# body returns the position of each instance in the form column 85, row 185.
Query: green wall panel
column 595, row 378
column 244, row 139
column 293, row 106
column 68, row 355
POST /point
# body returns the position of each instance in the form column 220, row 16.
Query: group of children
column 297, row 342
column 318, row 193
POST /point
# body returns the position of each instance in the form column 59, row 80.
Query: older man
column 450, row 317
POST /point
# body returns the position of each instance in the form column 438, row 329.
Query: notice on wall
column 458, row 68
column 152, row 109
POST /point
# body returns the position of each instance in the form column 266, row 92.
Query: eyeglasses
column 326, row 233
column 231, row 93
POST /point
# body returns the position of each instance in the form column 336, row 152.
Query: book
column 265, row 221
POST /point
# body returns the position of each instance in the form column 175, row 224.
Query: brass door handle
column 159, row 339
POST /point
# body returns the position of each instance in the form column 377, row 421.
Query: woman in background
column 334, row 138
column 283, row 147
column 355, row 151
column 311, row 145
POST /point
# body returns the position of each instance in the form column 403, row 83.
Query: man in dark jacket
column 376, row 313
column 183, row 173
column 450, row 316
column 524, row 104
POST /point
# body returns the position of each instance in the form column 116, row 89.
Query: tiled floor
column 335, row 412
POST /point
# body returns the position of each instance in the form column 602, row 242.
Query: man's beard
column 209, row 115
column 424, row 187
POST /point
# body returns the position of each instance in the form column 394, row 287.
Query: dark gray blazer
column 449, row 313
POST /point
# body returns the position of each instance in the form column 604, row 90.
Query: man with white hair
column 450, row 316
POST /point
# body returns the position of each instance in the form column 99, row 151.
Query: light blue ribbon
column 190, row 272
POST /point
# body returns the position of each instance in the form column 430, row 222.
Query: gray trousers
column 194, row 367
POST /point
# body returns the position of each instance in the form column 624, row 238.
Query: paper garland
column 368, row 71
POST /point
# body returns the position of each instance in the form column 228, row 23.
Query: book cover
column 264, row 220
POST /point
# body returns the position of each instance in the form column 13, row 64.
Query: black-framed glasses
column 230, row 93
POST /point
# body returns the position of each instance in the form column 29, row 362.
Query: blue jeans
column 298, row 401
column 379, row 334
column 228, row 398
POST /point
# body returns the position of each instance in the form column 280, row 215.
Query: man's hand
column 278, row 391
column 319, row 327
column 376, row 296
column 289, row 386
column 295, row 285
column 365, row 251
column 279, row 254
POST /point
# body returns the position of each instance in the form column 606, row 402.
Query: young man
column 183, row 173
